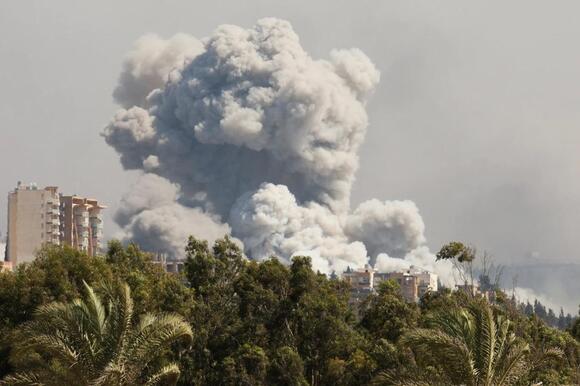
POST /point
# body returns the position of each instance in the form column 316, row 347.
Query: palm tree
column 471, row 347
column 96, row 341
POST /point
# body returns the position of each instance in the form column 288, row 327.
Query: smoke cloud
column 391, row 227
column 525, row 295
column 418, row 257
column 244, row 133
column 151, row 215
column 148, row 65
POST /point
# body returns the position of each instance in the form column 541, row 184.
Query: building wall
column 33, row 220
column 42, row 216
column 360, row 279
column 426, row 279
column 82, row 223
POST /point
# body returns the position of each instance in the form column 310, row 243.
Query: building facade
column 43, row 216
column 408, row 283
column 413, row 283
column 33, row 220
column 81, row 223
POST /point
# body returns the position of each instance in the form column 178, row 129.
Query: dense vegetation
column 247, row 323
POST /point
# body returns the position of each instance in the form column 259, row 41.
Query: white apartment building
column 33, row 220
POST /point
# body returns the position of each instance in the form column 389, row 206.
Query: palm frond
column 94, row 341
column 167, row 376
column 155, row 333
column 434, row 345
column 22, row 379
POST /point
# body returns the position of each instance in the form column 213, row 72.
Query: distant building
column 361, row 283
column 413, row 283
column 473, row 290
column 168, row 265
column 407, row 282
column 81, row 223
column 469, row 289
column 43, row 216
column 33, row 220
column 361, row 278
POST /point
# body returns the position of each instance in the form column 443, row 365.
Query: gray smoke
column 247, row 131
column 151, row 215
column 391, row 227
column 148, row 65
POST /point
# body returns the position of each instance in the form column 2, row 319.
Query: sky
column 475, row 119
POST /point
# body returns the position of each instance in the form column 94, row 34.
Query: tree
column 386, row 315
column 574, row 326
column 246, row 367
column 95, row 341
column 152, row 289
column 462, row 257
column 456, row 251
column 212, row 274
column 320, row 323
column 468, row 346
column 287, row 368
column 540, row 310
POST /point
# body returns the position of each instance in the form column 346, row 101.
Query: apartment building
column 360, row 278
column 167, row 264
column 408, row 283
column 413, row 283
column 43, row 216
column 81, row 223
column 33, row 220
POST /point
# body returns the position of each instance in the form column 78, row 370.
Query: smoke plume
column 244, row 133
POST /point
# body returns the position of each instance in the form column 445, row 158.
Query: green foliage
column 387, row 315
column 96, row 341
column 575, row 329
column 57, row 274
column 287, row 368
column 266, row 323
column 456, row 251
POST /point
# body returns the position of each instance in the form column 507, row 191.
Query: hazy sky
column 476, row 117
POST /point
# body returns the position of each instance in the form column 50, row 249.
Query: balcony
column 97, row 226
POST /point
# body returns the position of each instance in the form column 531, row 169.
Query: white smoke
column 271, row 222
column 248, row 131
column 148, row 65
column 419, row 257
column 529, row 295
column 151, row 214
column 391, row 227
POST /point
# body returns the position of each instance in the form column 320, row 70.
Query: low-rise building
column 361, row 284
column 413, row 283
column 168, row 265
column 360, row 278
column 408, row 283
column 473, row 290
